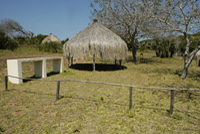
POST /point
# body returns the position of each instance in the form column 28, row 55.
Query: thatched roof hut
column 96, row 41
column 51, row 38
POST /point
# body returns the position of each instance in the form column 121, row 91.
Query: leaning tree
column 178, row 17
column 13, row 29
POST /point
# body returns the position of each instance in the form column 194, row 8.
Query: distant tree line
column 12, row 34
column 167, row 47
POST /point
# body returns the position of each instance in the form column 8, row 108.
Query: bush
column 21, row 40
column 36, row 40
column 7, row 43
column 52, row 47
column 163, row 47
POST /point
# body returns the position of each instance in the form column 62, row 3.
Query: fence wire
column 106, row 83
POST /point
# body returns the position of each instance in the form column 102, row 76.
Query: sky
column 63, row 18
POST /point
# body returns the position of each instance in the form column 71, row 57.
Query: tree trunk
column 162, row 54
column 184, row 73
column 189, row 61
column 167, row 54
column 157, row 52
column 171, row 53
column 134, row 47
column 134, row 50
column 72, row 60
column 186, row 48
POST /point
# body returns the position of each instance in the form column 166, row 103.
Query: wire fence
column 109, row 84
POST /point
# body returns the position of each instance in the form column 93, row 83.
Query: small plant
column 177, row 116
column 101, row 98
column 2, row 130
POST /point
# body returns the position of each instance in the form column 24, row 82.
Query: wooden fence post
column 172, row 101
column 6, row 82
column 58, row 89
column 130, row 97
column 93, row 62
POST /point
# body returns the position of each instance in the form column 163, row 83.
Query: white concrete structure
column 15, row 67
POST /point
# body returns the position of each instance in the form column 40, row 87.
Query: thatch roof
column 96, row 40
column 51, row 38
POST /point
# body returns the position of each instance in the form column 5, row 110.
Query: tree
column 122, row 16
column 6, row 42
column 177, row 17
column 14, row 29
column 164, row 47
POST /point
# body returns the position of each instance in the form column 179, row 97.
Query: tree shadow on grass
column 151, row 61
column 98, row 67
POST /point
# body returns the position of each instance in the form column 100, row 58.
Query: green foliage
column 7, row 43
column 163, row 47
column 36, row 40
column 63, row 41
column 101, row 98
column 52, row 47
column 193, row 45
column 21, row 40
column 196, row 34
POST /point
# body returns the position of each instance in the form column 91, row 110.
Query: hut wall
column 198, row 60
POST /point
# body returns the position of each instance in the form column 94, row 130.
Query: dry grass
column 90, row 108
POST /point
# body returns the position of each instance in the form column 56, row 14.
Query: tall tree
column 122, row 16
column 179, row 17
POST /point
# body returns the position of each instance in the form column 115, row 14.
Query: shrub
column 7, row 43
column 21, row 40
column 163, row 47
column 52, row 47
column 36, row 40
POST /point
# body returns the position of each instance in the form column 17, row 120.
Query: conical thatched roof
column 51, row 38
column 96, row 40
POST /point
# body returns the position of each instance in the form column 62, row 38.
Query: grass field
column 85, row 108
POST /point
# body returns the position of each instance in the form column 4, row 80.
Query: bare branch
column 13, row 28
